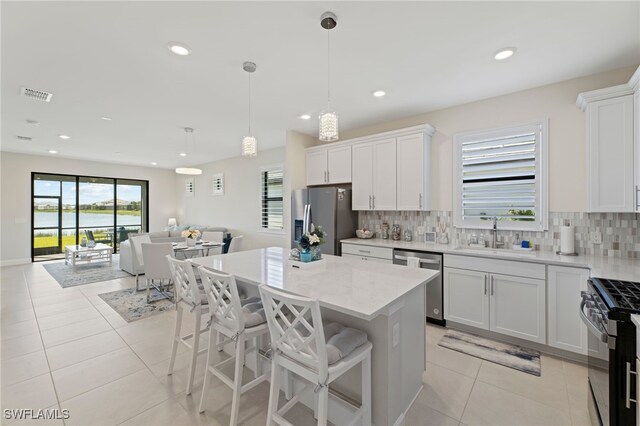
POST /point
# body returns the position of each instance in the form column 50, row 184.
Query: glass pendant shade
column 328, row 126
column 249, row 146
column 188, row 171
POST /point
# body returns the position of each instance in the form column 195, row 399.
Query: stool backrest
column 184, row 281
column 296, row 329
column 224, row 301
column 136, row 245
column 156, row 266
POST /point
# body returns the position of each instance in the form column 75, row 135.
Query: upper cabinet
column 387, row 171
column 613, row 142
column 329, row 164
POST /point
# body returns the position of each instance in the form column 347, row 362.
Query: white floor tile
column 17, row 316
column 57, row 308
column 36, row 393
column 74, row 331
column 67, row 318
column 23, row 367
column 167, row 413
column 18, row 329
column 456, row 361
column 23, row 345
column 92, row 373
column 421, row 414
column 446, row 391
column 82, row 349
column 117, row 401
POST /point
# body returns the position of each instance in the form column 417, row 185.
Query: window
column 272, row 188
column 501, row 173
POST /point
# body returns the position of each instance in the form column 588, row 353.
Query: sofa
column 129, row 257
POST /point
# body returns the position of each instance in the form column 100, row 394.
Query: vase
column 306, row 256
column 191, row 242
column 316, row 253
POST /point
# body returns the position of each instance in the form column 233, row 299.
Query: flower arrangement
column 312, row 239
column 191, row 233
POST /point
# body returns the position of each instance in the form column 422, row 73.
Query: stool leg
column 323, row 405
column 257, row 341
column 197, row 314
column 219, row 339
column 176, row 338
column 288, row 386
column 274, row 391
column 366, row 390
column 237, row 380
column 207, row 372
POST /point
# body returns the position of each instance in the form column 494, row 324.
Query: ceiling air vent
column 24, row 138
column 37, row 95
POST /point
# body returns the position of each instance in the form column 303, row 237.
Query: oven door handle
column 603, row 337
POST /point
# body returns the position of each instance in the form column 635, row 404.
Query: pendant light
column 328, row 126
column 249, row 143
column 188, row 170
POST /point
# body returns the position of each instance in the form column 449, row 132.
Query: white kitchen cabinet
column 362, row 176
column 636, row 111
column 566, row 329
column 413, row 162
column 329, row 165
column 384, row 175
column 517, row 307
column 466, row 297
column 370, row 253
column 368, row 258
column 610, row 173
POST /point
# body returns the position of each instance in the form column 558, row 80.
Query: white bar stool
column 237, row 324
column 299, row 346
column 187, row 295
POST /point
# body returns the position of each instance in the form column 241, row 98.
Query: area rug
column 512, row 356
column 85, row 273
column 132, row 305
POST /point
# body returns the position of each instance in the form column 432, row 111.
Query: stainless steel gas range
column 606, row 310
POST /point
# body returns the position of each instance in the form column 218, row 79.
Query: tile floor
column 67, row 349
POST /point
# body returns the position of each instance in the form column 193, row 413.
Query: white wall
column 239, row 208
column 15, row 195
column 567, row 157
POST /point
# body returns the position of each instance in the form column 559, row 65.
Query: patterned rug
column 512, row 356
column 85, row 273
column 132, row 305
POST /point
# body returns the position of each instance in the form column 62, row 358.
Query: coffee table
column 76, row 254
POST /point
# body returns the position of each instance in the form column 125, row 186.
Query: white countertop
column 351, row 286
column 636, row 320
column 604, row 267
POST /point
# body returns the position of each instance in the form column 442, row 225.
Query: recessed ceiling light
column 179, row 48
column 379, row 93
column 106, row 118
column 505, row 53
column 53, row 151
column 305, row 117
column 183, row 154
column 153, row 163
column 65, row 137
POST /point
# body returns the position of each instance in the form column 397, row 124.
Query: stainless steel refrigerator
column 329, row 207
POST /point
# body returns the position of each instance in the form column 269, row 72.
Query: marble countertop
column 351, row 286
column 604, row 267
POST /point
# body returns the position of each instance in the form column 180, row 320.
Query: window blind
column 499, row 177
column 272, row 214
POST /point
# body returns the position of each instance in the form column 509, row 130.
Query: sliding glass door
column 68, row 210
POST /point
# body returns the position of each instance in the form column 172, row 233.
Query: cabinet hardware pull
column 420, row 201
column 370, row 202
column 492, row 285
column 364, row 251
column 485, row 285
column 373, row 201
column 627, row 399
column 637, row 197
column 327, row 176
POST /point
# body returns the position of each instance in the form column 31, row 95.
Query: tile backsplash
column 619, row 230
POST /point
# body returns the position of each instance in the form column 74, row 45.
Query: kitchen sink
column 498, row 251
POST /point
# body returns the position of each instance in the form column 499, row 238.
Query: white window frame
column 263, row 169
column 541, row 223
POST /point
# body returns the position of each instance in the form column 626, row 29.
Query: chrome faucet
column 494, row 231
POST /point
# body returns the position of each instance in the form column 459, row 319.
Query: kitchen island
column 385, row 301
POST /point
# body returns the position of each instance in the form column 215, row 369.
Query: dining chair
column 319, row 353
column 188, row 295
column 239, row 323
column 156, row 267
column 236, row 244
column 138, row 260
column 216, row 237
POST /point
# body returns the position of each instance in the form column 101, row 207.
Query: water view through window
column 70, row 210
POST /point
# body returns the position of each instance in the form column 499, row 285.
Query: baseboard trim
column 14, row 262
column 400, row 421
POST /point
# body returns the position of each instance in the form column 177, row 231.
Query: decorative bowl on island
column 364, row 233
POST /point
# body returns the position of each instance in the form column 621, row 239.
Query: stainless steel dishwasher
column 434, row 287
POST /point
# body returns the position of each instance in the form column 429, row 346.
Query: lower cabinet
column 373, row 259
column 511, row 305
column 566, row 330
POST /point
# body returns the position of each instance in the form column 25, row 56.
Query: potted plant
column 309, row 244
column 191, row 236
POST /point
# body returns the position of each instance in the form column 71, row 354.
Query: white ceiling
column 110, row 59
